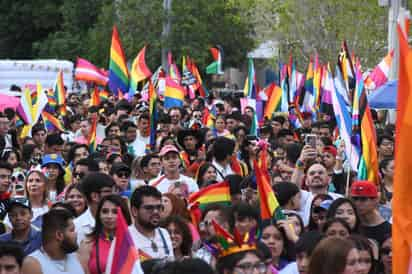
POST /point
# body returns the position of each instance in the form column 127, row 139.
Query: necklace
column 60, row 265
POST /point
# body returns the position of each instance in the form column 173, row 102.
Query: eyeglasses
column 153, row 207
column 249, row 267
column 79, row 175
column 124, row 174
column 361, row 199
column 386, row 250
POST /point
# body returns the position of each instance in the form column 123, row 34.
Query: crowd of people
column 59, row 200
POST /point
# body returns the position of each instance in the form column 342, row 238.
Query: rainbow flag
column 123, row 255
column 95, row 97
column 215, row 193
column 139, row 72
column 269, row 206
column 51, row 122
column 274, row 102
column 203, row 92
column 59, row 93
column 104, row 95
column 345, row 65
column 153, row 115
column 118, row 73
column 368, row 164
column 174, row 94
column 91, row 140
column 317, row 83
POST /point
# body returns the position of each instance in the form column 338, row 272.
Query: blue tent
column 385, row 97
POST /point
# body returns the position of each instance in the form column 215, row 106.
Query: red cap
column 330, row 149
column 364, row 189
column 168, row 148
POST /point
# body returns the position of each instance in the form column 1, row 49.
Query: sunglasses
column 123, row 174
column 79, row 175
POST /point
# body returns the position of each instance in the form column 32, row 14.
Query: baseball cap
column 364, row 189
column 168, row 148
column 119, row 166
column 53, row 159
column 330, row 149
column 19, row 201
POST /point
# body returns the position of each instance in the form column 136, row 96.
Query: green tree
column 23, row 22
column 306, row 27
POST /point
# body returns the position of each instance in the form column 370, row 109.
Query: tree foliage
column 306, row 28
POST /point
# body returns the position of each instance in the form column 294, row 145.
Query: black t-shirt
column 377, row 232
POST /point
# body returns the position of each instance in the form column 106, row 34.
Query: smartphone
column 310, row 139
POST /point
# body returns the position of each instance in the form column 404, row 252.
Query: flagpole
column 348, row 173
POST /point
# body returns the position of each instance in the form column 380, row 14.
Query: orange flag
column 402, row 198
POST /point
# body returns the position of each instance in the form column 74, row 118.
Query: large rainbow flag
column 118, row 72
column 123, row 255
column 91, row 140
column 51, row 122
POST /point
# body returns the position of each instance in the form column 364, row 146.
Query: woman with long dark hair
column 345, row 209
column 94, row 250
column 180, row 235
column 54, row 166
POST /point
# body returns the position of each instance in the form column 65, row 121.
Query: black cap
column 19, row 201
column 119, row 166
column 285, row 191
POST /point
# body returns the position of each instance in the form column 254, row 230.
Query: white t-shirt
column 306, row 201
column 145, row 244
column 291, row 268
column 139, row 148
column 165, row 185
column 84, row 225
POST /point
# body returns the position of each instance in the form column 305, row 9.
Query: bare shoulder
column 31, row 266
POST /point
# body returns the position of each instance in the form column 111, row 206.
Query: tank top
column 103, row 249
column 70, row 265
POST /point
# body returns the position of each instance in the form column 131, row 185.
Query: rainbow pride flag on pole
column 174, row 94
column 118, row 72
column 153, row 115
column 123, row 255
column 59, row 94
column 269, row 206
column 139, row 72
column 51, row 122
column 91, row 140
column 274, row 102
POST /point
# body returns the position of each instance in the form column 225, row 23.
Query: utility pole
column 167, row 6
column 393, row 43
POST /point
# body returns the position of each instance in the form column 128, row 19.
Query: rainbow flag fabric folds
column 269, row 206
column 95, row 97
column 118, row 72
column 86, row 71
column 51, row 122
column 123, row 255
column 60, row 94
column 215, row 193
column 91, row 140
column 140, row 71
column 274, row 102
column 174, row 94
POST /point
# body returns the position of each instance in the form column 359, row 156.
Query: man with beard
column 146, row 204
column 58, row 246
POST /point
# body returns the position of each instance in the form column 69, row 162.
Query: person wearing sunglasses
column 121, row 175
column 146, row 206
column 364, row 195
column 23, row 233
